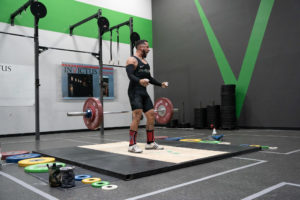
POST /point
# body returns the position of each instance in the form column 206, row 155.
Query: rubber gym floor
column 265, row 174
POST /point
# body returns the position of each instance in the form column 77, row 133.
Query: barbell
column 93, row 112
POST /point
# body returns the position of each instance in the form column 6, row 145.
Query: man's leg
column 150, row 119
column 150, row 126
column 151, row 144
column 136, row 117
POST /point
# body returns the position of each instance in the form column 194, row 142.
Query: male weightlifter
column 138, row 71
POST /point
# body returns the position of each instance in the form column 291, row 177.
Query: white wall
column 139, row 8
column 53, row 108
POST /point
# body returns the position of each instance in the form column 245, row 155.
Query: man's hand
column 164, row 84
column 144, row 82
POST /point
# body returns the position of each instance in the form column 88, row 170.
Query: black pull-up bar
column 95, row 16
column 14, row 34
column 120, row 25
column 43, row 48
column 19, row 11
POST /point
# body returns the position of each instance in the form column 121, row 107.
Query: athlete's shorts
column 140, row 99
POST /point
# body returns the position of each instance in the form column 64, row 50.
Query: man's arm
column 153, row 81
column 131, row 65
column 156, row 82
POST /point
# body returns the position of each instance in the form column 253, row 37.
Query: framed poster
column 80, row 81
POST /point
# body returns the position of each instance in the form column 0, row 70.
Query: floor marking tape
column 269, row 189
column 33, row 189
column 279, row 136
column 199, row 180
column 252, row 159
column 287, row 153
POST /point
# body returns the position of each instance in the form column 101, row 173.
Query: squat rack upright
column 39, row 11
column 103, row 27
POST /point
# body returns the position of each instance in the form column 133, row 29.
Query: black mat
column 129, row 167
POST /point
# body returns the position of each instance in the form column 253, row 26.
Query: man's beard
column 144, row 54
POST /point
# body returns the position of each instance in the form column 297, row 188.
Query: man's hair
column 139, row 42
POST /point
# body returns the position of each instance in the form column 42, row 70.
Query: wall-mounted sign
column 82, row 80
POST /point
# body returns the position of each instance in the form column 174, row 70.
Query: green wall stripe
column 255, row 41
column 63, row 13
column 222, row 62
column 250, row 57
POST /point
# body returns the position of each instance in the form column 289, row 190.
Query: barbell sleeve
column 161, row 110
column 76, row 113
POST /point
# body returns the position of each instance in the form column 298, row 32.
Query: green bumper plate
column 41, row 168
column 210, row 141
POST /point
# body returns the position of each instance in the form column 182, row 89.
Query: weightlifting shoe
column 153, row 146
column 135, row 149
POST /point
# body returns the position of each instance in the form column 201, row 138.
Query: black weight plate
column 228, row 92
column 228, row 111
column 134, row 37
column 228, row 95
column 228, row 123
column 103, row 24
column 228, row 114
column 227, row 98
column 228, row 102
column 229, row 87
column 228, row 120
column 224, row 108
column 38, row 9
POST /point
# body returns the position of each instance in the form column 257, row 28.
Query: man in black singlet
column 138, row 71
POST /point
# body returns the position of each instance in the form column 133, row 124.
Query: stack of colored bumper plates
column 12, row 153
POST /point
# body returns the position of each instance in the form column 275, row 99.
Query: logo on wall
column 252, row 51
column 5, row 68
column 82, row 80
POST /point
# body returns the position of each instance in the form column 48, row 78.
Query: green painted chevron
column 251, row 54
column 63, row 13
